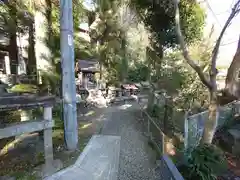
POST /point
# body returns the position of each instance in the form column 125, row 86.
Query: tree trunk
column 13, row 53
column 50, row 40
column 211, row 124
column 124, row 69
column 31, row 63
column 232, row 82
column 13, row 48
column 91, row 18
column 42, row 44
column 100, row 68
column 151, row 88
column 101, row 58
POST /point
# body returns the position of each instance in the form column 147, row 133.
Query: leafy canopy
column 158, row 17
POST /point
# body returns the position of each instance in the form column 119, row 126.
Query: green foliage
column 192, row 18
column 57, row 116
column 159, row 19
column 50, row 80
column 111, row 33
column 138, row 73
column 205, row 162
column 24, row 176
column 181, row 82
column 137, row 41
column 9, row 117
column 23, row 88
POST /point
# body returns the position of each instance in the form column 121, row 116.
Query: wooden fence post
column 163, row 143
column 149, row 128
column 186, row 131
column 48, row 145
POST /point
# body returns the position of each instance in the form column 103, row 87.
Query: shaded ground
column 137, row 159
column 23, row 156
column 233, row 172
column 225, row 141
column 234, row 167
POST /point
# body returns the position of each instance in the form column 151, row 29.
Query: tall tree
column 159, row 21
column 43, row 25
column 28, row 20
column 105, row 32
column 210, row 80
column 109, row 28
column 232, row 79
column 13, row 48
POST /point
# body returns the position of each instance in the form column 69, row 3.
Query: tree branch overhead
column 186, row 55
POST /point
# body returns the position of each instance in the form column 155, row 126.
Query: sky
column 218, row 12
column 88, row 4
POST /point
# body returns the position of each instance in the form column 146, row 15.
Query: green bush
column 205, row 162
column 50, row 82
column 138, row 73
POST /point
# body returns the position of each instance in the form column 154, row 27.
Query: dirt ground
column 20, row 156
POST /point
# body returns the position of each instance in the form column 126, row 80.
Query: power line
column 208, row 5
column 215, row 15
column 233, row 1
column 229, row 43
column 228, row 10
column 222, row 12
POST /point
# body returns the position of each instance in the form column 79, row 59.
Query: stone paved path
column 136, row 157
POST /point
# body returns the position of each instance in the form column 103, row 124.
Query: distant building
column 86, row 69
column 88, row 66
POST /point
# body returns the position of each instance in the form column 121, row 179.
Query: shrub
column 57, row 116
column 205, row 162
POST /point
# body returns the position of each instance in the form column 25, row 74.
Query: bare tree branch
column 235, row 11
column 239, row 43
column 186, row 55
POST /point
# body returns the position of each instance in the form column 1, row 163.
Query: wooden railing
column 28, row 126
column 154, row 131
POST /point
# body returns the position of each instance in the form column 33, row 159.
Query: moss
column 24, row 176
column 23, row 88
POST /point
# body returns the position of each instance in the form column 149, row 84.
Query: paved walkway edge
column 98, row 161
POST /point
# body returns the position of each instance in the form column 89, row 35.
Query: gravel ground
column 136, row 157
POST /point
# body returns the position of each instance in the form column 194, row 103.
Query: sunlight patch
column 90, row 113
column 9, row 146
column 85, row 126
column 125, row 106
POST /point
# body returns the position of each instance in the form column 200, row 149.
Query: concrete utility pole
column 68, row 76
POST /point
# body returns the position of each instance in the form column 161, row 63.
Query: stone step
column 98, row 161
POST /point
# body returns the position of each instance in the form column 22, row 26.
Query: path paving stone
column 136, row 157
